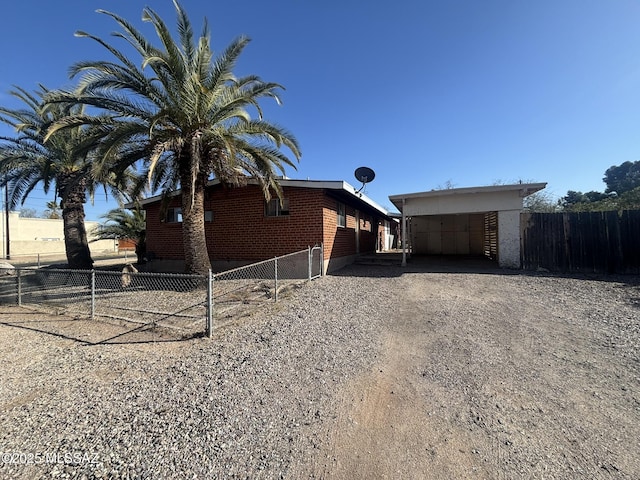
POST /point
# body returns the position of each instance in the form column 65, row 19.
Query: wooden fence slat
column 604, row 242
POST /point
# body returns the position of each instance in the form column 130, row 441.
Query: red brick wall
column 338, row 241
column 341, row 241
column 164, row 240
column 240, row 230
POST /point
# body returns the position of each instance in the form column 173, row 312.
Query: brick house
column 241, row 227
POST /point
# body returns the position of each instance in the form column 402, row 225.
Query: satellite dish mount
column 364, row 175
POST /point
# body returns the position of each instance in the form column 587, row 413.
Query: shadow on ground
column 388, row 265
column 85, row 331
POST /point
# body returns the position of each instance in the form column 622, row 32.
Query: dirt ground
column 481, row 375
column 496, row 376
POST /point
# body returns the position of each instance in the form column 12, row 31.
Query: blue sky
column 424, row 92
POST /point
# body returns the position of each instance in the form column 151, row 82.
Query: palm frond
column 185, row 33
column 177, row 117
column 121, row 223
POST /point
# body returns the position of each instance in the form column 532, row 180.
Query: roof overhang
column 342, row 190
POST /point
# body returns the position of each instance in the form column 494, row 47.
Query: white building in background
column 30, row 237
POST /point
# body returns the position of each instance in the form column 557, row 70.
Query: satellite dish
column 365, row 174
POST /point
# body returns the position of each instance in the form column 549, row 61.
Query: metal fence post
column 309, row 259
column 275, row 291
column 93, row 293
column 209, row 324
column 322, row 259
column 19, row 280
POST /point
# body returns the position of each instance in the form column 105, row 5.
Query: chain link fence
column 170, row 301
column 186, row 303
column 234, row 291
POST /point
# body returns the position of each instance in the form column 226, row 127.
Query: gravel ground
column 294, row 390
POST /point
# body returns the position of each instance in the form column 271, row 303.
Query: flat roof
column 525, row 190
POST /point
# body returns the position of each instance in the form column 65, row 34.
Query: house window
column 342, row 215
column 174, row 215
column 276, row 208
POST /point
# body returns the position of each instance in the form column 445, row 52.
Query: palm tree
column 52, row 211
column 124, row 224
column 185, row 114
column 62, row 160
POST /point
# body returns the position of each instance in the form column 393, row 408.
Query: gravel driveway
column 376, row 372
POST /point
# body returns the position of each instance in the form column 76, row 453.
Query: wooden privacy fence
column 605, row 242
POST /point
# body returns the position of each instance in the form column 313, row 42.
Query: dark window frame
column 174, row 215
column 275, row 208
column 341, row 212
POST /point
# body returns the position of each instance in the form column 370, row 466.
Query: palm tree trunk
column 194, row 239
column 75, row 233
column 141, row 251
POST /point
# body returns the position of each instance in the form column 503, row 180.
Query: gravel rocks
column 255, row 401
column 238, row 406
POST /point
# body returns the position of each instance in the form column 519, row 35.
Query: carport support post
column 404, row 234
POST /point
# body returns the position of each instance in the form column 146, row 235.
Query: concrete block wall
column 44, row 236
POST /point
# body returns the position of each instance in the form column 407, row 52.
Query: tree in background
column 629, row 200
column 622, row 192
column 63, row 161
column 622, row 178
column 448, row 185
column 124, row 224
column 572, row 197
column 53, row 211
column 582, row 202
column 185, row 115
column 26, row 212
column 540, row 202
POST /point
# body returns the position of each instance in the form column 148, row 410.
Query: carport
column 476, row 221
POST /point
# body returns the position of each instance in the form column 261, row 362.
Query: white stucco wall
column 33, row 236
column 509, row 238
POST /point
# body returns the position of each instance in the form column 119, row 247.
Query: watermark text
column 45, row 458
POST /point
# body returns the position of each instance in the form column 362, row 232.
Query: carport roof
column 523, row 189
